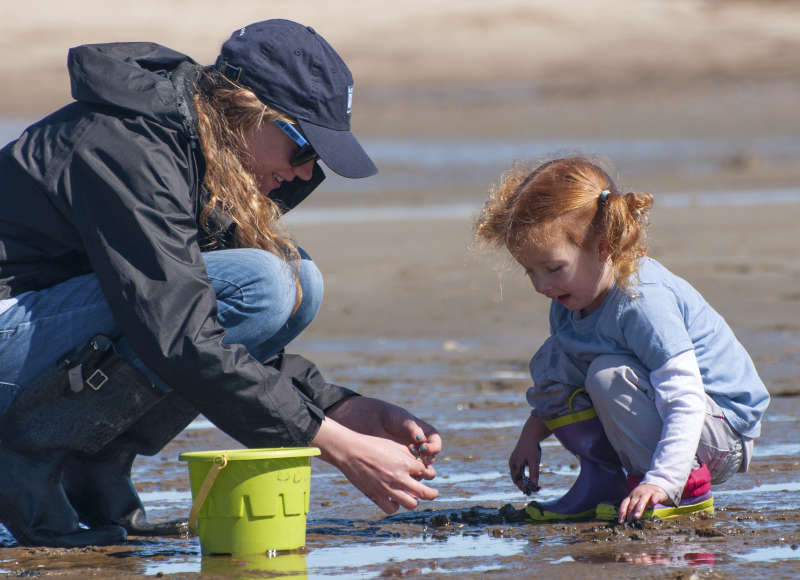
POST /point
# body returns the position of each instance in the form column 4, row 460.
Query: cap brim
column 340, row 150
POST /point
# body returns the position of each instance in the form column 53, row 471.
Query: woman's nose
column 304, row 171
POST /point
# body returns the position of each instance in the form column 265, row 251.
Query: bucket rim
column 250, row 454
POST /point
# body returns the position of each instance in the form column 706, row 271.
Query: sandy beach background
column 677, row 77
column 594, row 77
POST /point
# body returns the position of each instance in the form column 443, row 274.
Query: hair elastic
column 602, row 198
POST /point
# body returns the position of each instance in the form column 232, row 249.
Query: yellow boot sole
column 608, row 512
column 536, row 515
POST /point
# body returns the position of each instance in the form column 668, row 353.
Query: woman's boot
column 78, row 406
column 99, row 486
column 34, row 507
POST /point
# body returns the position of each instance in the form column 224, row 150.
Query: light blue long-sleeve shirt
column 659, row 318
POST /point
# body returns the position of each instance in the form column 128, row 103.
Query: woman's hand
column 381, row 419
column 528, row 454
column 639, row 499
column 384, row 470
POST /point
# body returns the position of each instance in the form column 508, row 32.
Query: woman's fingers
column 396, row 499
column 419, row 490
column 408, row 497
column 389, row 504
column 426, row 441
column 388, row 473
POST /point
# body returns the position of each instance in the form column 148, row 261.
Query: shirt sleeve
column 653, row 325
column 680, row 401
column 129, row 185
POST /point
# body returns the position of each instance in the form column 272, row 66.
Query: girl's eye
column 554, row 269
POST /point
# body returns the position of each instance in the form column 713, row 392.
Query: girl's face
column 575, row 277
column 268, row 152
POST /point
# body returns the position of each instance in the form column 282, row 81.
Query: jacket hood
column 131, row 75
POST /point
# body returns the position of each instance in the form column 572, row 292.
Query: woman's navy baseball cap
column 293, row 69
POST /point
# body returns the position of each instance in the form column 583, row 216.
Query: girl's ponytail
column 623, row 224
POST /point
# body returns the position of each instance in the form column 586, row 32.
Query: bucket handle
column 220, row 461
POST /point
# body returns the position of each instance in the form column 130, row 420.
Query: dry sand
column 620, row 45
column 472, row 69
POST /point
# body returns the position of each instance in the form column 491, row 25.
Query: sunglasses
column 305, row 152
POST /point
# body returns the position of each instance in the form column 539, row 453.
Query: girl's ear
column 603, row 250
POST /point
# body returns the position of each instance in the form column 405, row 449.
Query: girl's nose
column 541, row 283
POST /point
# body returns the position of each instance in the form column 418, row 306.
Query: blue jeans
column 255, row 296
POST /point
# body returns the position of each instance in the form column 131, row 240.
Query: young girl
column 639, row 372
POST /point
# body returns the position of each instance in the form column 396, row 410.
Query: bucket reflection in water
column 250, row 501
column 286, row 565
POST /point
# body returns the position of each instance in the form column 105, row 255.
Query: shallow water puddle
column 777, row 450
column 466, row 211
column 401, row 550
column 771, row 554
column 345, row 560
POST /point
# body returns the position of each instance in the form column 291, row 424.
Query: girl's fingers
column 517, row 472
column 623, row 510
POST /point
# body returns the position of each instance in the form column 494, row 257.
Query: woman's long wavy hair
column 226, row 112
column 566, row 195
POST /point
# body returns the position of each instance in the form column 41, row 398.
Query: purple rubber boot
column 601, row 479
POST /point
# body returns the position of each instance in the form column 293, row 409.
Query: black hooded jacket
column 112, row 184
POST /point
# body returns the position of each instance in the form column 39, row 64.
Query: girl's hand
column 525, row 457
column 643, row 496
column 381, row 419
column 527, row 454
column 383, row 470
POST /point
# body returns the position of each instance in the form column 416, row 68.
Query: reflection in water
column 649, row 558
column 259, row 566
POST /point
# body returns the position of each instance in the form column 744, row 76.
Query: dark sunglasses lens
column 304, row 155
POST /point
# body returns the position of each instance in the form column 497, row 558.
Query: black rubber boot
column 100, row 485
column 35, row 509
column 78, row 406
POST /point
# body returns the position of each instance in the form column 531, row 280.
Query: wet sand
column 416, row 314
column 480, row 407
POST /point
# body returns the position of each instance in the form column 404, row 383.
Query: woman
column 146, row 212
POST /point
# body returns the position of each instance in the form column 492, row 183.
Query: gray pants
column 624, row 399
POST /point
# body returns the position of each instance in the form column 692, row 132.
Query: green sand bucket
column 250, row 501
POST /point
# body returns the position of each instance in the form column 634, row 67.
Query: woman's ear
column 245, row 98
